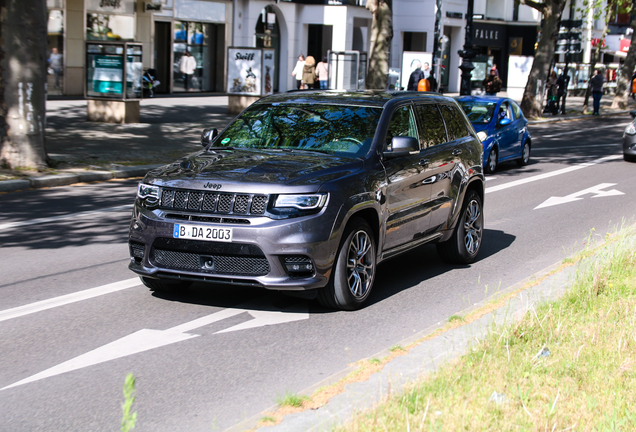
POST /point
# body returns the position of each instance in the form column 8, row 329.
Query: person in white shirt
column 298, row 71
column 187, row 66
column 55, row 63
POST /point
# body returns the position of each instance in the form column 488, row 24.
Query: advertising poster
column 518, row 71
column 409, row 61
column 108, row 74
column 244, row 71
column 268, row 72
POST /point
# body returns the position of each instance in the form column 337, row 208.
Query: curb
column 65, row 179
column 560, row 118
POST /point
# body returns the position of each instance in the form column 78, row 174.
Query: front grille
column 211, row 263
column 213, row 202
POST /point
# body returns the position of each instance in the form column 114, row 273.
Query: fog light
column 300, row 268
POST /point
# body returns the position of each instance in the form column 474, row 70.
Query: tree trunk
column 380, row 47
column 23, row 35
column 532, row 101
column 627, row 69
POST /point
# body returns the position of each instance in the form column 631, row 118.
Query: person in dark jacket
column 492, row 83
column 416, row 76
column 562, row 90
column 597, row 90
column 433, row 82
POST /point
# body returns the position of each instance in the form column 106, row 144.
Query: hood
column 249, row 167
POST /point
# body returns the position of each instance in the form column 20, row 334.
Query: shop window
column 197, row 56
column 55, row 52
column 414, row 41
column 110, row 27
column 267, row 35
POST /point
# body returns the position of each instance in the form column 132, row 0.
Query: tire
column 525, row 155
column 162, row 285
column 493, row 159
column 463, row 246
column 354, row 269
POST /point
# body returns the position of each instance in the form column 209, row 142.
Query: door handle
column 457, row 152
column 424, row 162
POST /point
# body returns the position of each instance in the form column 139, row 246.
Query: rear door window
column 432, row 130
column 455, row 123
column 516, row 110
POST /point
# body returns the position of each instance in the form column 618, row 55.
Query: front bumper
column 259, row 255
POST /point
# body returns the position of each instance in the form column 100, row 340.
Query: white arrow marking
column 596, row 190
column 145, row 339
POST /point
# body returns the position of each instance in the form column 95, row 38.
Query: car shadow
column 393, row 276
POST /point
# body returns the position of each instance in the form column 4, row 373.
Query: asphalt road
column 74, row 320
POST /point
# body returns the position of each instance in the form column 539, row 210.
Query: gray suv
column 310, row 191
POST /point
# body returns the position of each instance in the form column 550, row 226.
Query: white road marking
column 551, row 174
column 9, row 225
column 581, row 130
column 147, row 339
column 596, row 190
column 67, row 299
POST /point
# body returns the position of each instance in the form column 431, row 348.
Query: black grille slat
column 194, row 200
column 213, row 202
column 180, row 199
column 225, row 203
column 209, row 202
column 259, row 203
column 222, row 264
column 240, row 204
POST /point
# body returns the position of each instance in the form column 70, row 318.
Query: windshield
column 334, row 129
column 478, row 112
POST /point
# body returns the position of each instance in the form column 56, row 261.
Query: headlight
column 482, row 135
column 147, row 193
column 289, row 206
column 301, row 202
column 630, row 129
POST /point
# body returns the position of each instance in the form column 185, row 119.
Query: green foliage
column 267, row 419
column 292, row 400
column 453, row 318
column 375, row 361
column 128, row 420
column 396, row 348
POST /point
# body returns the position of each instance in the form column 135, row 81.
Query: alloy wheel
column 472, row 227
column 360, row 264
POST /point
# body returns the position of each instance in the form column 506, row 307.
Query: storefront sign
column 489, row 35
column 245, row 71
column 108, row 74
column 200, row 10
column 269, row 70
column 125, row 7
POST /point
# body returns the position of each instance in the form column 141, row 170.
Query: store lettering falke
column 487, row 34
column 248, row 56
column 110, row 3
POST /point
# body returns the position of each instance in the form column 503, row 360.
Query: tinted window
column 346, row 130
column 432, row 131
column 455, row 124
column 402, row 124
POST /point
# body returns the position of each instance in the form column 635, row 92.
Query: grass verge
column 566, row 365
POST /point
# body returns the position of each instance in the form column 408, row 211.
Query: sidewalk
column 170, row 127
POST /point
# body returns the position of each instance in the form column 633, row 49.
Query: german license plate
column 201, row 232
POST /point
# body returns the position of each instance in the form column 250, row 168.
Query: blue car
column 501, row 127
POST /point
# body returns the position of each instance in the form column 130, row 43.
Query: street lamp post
column 468, row 53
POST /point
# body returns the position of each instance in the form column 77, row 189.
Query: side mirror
column 633, row 114
column 504, row 121
column 208, row 135
column 402, row 146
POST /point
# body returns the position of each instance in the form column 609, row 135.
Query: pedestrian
column 55, row 63
column 432, row 81
column 596, row 82
column 426, row 69
column 322, row 73
column 187, row 66
column 632, row 87
column 309, row 73
column 492, row 83
column 562, row 90
column 298, row 71
column 494, row 67
column 416, row 76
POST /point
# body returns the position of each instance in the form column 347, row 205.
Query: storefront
column 55, row 47
column 189, row 46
